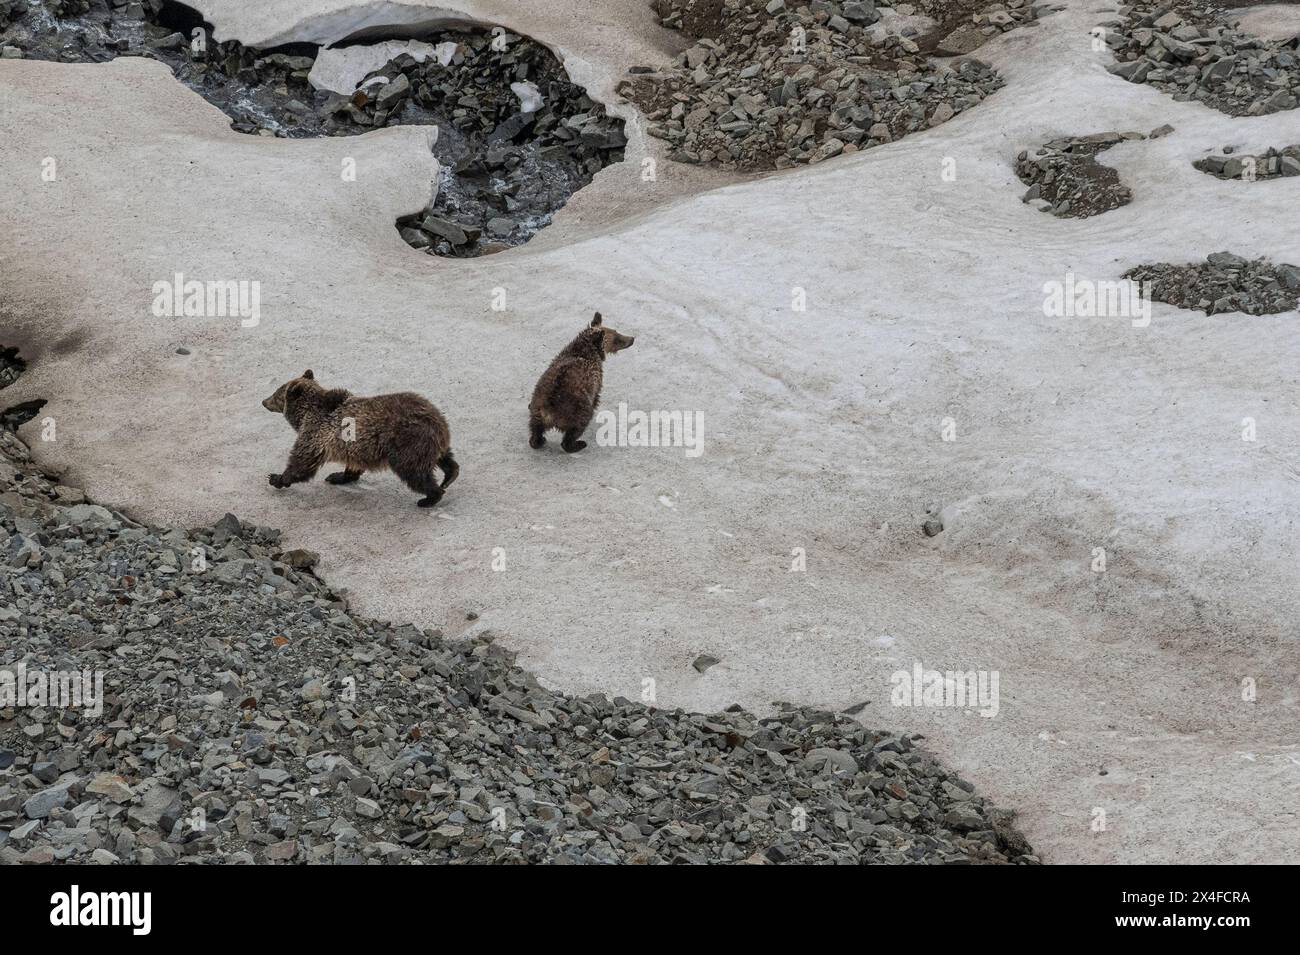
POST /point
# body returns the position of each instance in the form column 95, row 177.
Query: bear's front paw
column 277, row 481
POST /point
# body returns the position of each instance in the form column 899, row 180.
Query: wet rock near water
column 1270, row 164
column 506, row 168
column 1223, row 283
column 14, row 416
column 516, row 138
column 11, row 366
column 250, row 717
column 1065, row 178
column 1195, row 52
column 774, row 85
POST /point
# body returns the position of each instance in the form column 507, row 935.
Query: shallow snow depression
column 831, row 326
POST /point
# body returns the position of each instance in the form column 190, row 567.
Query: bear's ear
column 308, row 374
column 596, row 320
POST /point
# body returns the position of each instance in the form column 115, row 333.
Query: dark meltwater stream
column 516, row 138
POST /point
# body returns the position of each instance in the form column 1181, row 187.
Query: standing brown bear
column 402, row 431
column 569, row 390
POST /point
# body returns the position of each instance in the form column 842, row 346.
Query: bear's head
column 610, row 340
column 290, row 392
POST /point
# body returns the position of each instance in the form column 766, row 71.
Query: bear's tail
column 450, row 469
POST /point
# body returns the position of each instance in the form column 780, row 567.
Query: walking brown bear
column 403, row 432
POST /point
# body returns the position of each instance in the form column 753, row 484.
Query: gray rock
column 40, row 805
column 824, row 760
column 966, row 38
column 301, row 559
column 89, row 514
column 445, row 228
column 861, row 12
column 393, row 93
column 704, row 661
column 1225, row 260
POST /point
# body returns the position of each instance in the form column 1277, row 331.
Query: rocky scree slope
column 249, row 717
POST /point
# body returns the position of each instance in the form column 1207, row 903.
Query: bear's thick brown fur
column 569, row 390
column 403, row 432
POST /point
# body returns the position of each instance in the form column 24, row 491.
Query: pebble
column 704, row 661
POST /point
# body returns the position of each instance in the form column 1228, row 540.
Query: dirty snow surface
column 1148, row 710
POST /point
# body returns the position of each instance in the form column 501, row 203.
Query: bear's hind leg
column 450, row 469
column 416, row 471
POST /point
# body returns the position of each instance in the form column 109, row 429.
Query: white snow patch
column 342, row 70
column 530, row 97
column 1270, row 21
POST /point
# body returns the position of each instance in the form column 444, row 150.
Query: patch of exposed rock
column 11, row 366
column 516, row 138
column 773, row 85
column 1195, row 52
column 1065, row 178
column 1270, row 164
column 1223, row 283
